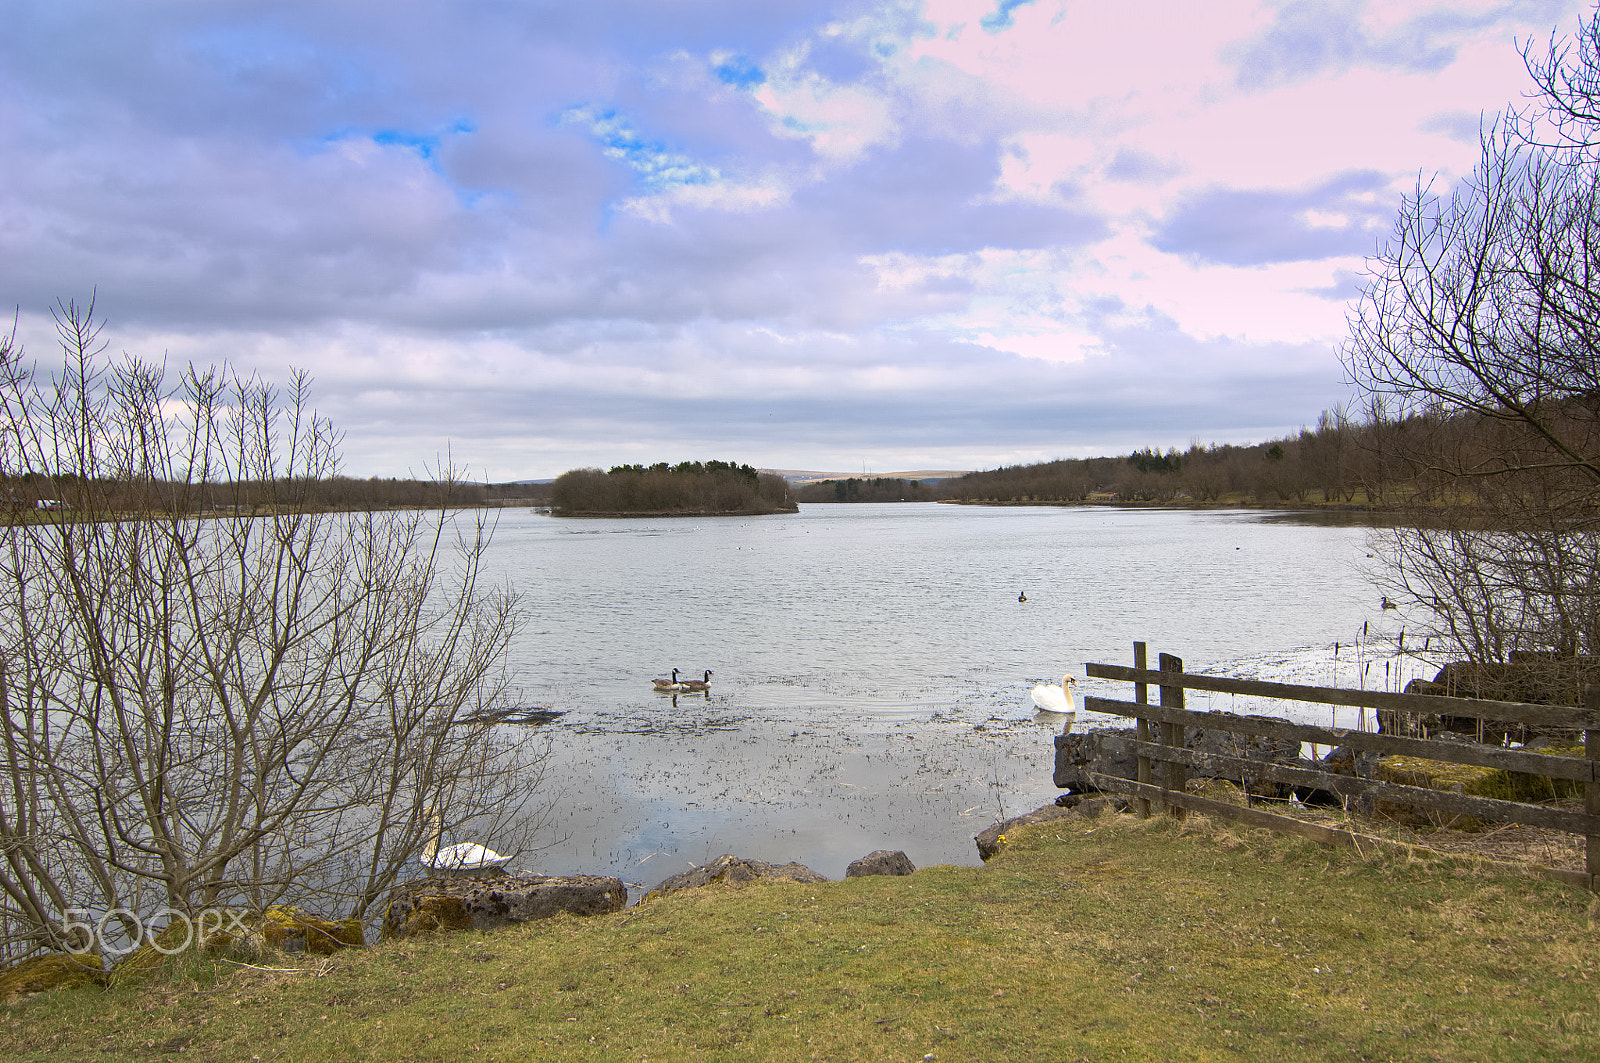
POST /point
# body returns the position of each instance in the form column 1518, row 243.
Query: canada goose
column 668, row 686
column 698, row 684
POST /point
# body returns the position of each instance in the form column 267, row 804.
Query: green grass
column 1101, row 939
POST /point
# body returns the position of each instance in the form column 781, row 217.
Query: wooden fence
column 1159, row 739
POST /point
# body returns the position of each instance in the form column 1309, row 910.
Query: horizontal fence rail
column 1160, row 739
column 1543, row 715
column 1368, row 741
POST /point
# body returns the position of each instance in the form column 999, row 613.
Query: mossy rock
column 293, row 930
column 281, row 927
column 1473, row 780
column 152, row 956
column 53, row 970
column 429, row 913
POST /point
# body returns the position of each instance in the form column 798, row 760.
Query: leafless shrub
column 242, row 708
column 1478, row 344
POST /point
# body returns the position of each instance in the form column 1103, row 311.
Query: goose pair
column 677, row 686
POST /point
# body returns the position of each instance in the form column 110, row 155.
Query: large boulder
column 1103, row 750
column 734, row 869
column 292, row 930
column 422, row 905
column 1078, row 755
column 53, row 970
column 880, row 862
column 1530, row 678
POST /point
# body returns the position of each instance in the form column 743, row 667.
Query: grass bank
column 1087, row 939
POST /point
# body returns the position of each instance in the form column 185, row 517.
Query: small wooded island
column 688, row 489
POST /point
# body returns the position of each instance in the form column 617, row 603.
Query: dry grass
column 1088, row 939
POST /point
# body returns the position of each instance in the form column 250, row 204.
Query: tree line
column 873, row 489
column 1333, row 464
column 330, row 492
column 688, row 488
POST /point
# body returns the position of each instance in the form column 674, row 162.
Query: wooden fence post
column 1141, row 694
column 1591, row 789
column 1176, row 775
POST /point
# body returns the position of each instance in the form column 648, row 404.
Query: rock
column 990, row 841
column 1473, row 780
column 281, row 927
column 53, row 970
column 734, row 869
column 1079, row 754
column 1103, row 750
column 293, row 930
column 1532, row 678
column 1343, row 760
column 880, row 862
column 429, row 904
column 1092, row 806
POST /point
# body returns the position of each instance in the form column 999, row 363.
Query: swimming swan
column 466, row 856
column 1058, row 700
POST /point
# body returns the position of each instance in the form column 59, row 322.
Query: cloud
column 1340, row 216
column 1456, row 125
column 1308, row 38
column 945, row 232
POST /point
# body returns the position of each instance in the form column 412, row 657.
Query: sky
column 846, row 236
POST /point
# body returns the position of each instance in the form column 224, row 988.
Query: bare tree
column 1478, row 344
column 215, row 693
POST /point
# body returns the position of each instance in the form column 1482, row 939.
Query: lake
column 873, row 664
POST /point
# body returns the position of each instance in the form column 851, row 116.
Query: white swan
column 465, row 856
column 1058, row 700
column 668, row 686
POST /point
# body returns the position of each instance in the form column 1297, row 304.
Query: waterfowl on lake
column 1056, row 698
column 668, row 686
column 465, row 856
column 1022, row 596
column 1058, row 701
column 698, row 684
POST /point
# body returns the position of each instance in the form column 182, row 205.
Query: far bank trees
column 691, row 488
column 1330, row 464
column 866, row 489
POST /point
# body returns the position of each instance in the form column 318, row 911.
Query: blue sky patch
column 658, row 167
column 1000, row 18
column 739, row 72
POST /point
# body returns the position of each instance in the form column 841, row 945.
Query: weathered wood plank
column 1572, row 768
column 1254, row 816
column 1546, row 715
column 1445, row 802
column 1175, row 775
column 1315, row 831
column 1141, row 694
column 1591, row 792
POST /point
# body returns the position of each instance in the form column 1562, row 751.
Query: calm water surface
column 872, row 663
